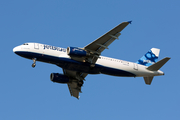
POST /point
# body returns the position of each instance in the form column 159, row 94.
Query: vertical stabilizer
column 150, row 57
column 148, row 80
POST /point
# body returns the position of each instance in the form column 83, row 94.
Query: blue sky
column 27, row 93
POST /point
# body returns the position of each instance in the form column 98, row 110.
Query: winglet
column 130, row 22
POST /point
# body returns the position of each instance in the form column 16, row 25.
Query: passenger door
column 135, row 66
column 36, row 45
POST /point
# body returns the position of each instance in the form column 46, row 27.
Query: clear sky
column 27, row 93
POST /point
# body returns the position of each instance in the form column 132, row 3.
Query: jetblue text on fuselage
column 54, row 48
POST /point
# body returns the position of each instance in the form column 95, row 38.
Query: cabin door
column 135, row 66
column 36, row 45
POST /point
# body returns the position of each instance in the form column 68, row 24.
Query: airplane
column 78, row 62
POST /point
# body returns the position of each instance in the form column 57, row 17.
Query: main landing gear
column 34, row 64
column 89, row 61
column 80, row 83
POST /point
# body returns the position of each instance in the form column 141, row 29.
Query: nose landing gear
column 34, row 64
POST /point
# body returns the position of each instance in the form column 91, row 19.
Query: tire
column 33, row 65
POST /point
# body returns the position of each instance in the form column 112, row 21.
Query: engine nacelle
column 59, row 78
column 75, row 51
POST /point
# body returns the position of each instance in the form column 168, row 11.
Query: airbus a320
column 78, row 62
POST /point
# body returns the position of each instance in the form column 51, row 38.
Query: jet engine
column 75, row 51
column 59, row 78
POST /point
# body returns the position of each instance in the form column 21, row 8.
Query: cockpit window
column 25, row 44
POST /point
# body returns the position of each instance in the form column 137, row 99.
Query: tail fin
column 150, row 57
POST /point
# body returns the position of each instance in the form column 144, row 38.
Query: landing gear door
column 36, row 45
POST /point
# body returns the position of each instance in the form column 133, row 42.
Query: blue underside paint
column 70, row 64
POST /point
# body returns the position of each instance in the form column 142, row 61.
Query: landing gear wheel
column 33, row 65
column 80, row 83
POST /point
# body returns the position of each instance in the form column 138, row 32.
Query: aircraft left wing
column 76, row 83
column 102, row 43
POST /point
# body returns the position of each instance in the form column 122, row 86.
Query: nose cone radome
column 16, row 49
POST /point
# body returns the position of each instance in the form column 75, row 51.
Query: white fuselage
column 104, row 65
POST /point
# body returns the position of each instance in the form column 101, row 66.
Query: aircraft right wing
column 76, row 83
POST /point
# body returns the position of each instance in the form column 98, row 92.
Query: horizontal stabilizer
column 148, row 80
column 158, row 65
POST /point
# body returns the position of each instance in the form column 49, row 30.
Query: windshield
column 25, row 44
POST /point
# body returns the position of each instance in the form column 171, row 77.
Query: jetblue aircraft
column 77, row 62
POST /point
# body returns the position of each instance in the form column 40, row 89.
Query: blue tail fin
column 150, row 57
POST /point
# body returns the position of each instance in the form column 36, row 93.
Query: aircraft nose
column 15, row 49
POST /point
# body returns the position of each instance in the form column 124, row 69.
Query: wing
column 76, row 83
column 104, row 41
column 97, row 46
